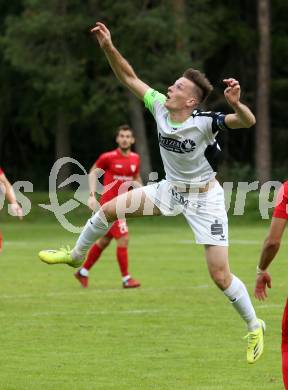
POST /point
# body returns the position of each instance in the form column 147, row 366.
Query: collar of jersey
column 121, row 154
column 174, row 124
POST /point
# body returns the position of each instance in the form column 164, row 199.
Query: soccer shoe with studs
column 255, row 343
column 61, row 256
column 83, row 280
column 131, row 283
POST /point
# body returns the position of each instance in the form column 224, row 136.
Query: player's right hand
column 16, row 210
column 92, row 202
column 262, row 281
column 102, row 34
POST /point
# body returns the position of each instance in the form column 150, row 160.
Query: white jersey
column 188, row 150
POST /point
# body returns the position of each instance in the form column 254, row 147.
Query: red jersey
column 1, row 171
column 119, row 168
column 281, row 210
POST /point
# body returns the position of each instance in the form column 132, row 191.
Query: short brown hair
column 124, row 127
column 203, row 85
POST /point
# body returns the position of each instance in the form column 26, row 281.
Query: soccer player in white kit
column 187, row 145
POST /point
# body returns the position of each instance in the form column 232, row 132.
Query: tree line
column 60, row 98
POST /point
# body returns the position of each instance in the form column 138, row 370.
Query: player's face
column 125, row 139
column 180, row 95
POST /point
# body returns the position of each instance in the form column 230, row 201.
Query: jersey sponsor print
column 189, row 150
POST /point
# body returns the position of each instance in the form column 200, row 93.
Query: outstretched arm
column 270, row 248
column 9, row 193
column 121, row 68
column 138, row 179
column 242, row 116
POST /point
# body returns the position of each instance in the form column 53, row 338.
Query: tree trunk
column 62, row 147
column 141, row 145
column 62, row 136
column 262, row 144
column 179, row 11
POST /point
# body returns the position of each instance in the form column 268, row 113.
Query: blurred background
column 60, row 98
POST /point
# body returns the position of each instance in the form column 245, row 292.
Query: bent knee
column 123, row 241
column 222, row 279
column 103, row 242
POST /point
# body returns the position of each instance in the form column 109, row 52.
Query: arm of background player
column 270, row 248
column 121, row 68
column 138, row 180
column 9, row 193
column 93, row 178
column 272, row 242
column 242, row 117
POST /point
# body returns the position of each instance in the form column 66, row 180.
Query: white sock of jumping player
column 96, row 227
column 239, row 297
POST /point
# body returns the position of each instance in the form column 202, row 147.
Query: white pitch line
column 246, row 242
column 239, row 242
column 44, row 243
column 83, row 293
column 93, row 313
column 269, row 306
column 28, row 242
column 119, row 312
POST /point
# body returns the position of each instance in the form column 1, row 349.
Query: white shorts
column 205, row 212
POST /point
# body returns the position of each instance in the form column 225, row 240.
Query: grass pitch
column 176, row 332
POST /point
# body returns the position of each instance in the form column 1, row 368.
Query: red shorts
column 118, row 229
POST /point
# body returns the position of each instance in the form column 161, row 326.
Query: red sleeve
column 102, row 161
column 281, row 209
column 1, row 171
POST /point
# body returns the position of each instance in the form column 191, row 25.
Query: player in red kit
column 121, row 167
column 270, row 248
column 7, row 189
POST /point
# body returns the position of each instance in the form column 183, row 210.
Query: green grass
column 176, row 332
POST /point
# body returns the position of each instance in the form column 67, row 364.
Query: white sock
column 84, row 272
column 239, row 297
column 96, row 227
column 126, row 278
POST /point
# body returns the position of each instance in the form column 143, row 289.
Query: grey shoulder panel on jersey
column 218, row 119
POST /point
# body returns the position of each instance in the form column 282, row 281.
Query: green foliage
column 235, row 171
column 50, row 64
column 38, row 43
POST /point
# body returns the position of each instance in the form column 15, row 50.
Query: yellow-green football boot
column 61, row 256
column 255, row 343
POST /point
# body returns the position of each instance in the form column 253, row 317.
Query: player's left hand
column 262, row 281
column 103, row 34
column 232, row 91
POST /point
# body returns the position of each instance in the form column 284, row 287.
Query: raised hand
column 102, row 34
column 232, row 91
column 262, row 281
